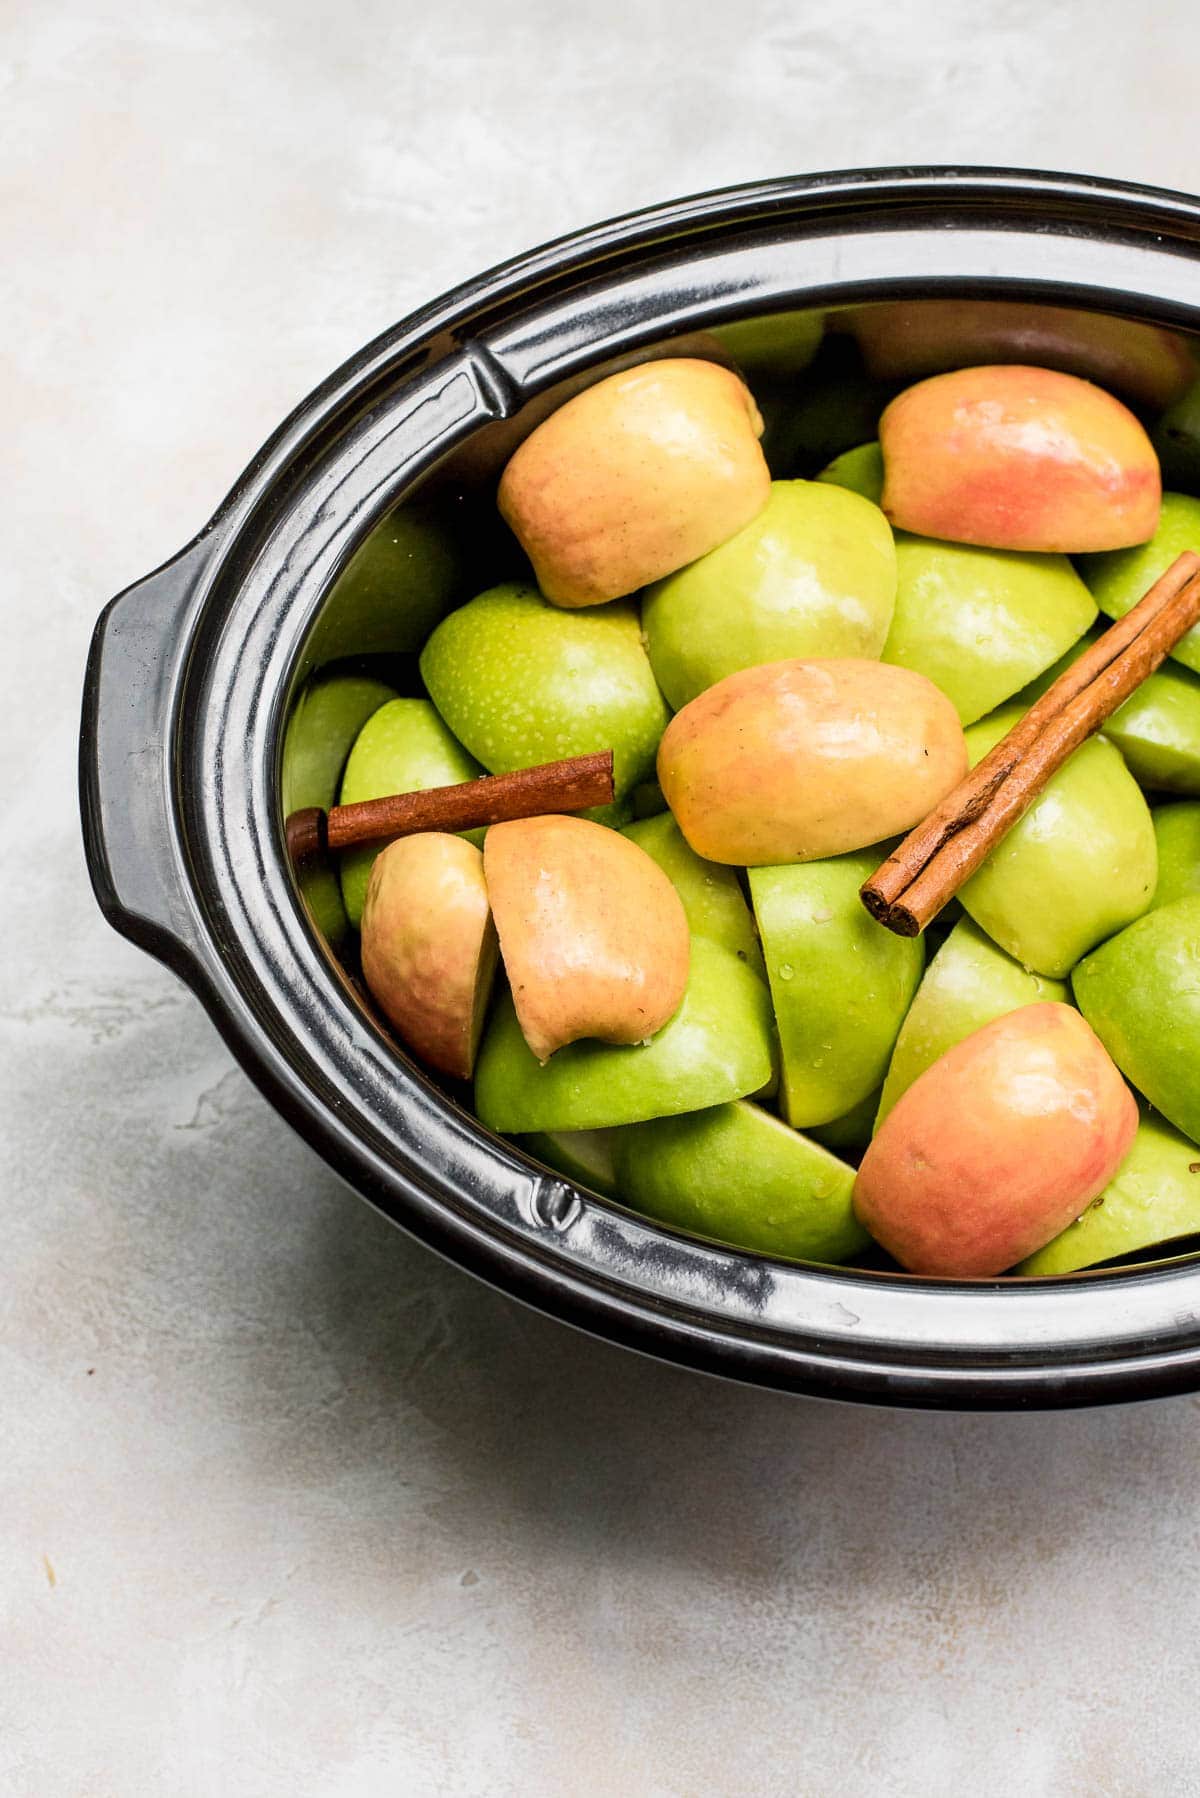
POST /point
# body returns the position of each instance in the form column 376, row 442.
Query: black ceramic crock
column 192, row 670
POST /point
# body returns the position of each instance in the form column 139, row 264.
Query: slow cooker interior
column 821, row 379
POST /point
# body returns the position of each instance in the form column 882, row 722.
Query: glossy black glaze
column 191, row 673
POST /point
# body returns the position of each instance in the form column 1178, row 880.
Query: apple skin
column 404, row 576
column 584, row 1156
column 1154, row 1198
column 1140, row 992
column 634, row 477
column 1177, row 831
column 1157, row 730
column 777, row 343
column 997, row 1147
column 520, row 682
column 840, row 982
column 968, row 983
column 1081, row 864
column 711, row 894
column 737, row 1175
column 982, row 623
column 593, row 935
column 1011, row 457
column 402, row 748
column 850, row 1133
column 429, row 947
column 719, row 1045
column 904, row 340
column 814, row 574
column 860, row 470
column 798, row 760
column 330, row 711
column 1118, row 580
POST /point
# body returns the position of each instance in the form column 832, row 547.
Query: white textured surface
column 287, row 1507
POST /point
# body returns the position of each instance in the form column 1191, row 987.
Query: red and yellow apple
column 998, row 1146
column 1011, row 457
column 634, row 478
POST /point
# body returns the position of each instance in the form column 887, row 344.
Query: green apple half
column 398, row 583
column 852, row 1131
column 1081, row 864
column 585, row 1156
column 736, row 1174
column 521, row 682
column 968, row 983
column 1141, row 995
column 982, row 623
column 1177, row 828
column 813, row 575
column 326, row 718
column 718, row 1046
column 710, row 892
column 859, row 469
column 1120, row 577
column 402, row 748
column 840, row 982
column 1155, row 1198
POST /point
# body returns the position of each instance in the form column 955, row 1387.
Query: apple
column 429, row 947
column 840, row 982
column 711, row 895
column 902, row 340
column 797, row 760
column 814, row 574
column 1177, row 830
column 520, row 682
column 833, row 407
column 593, row 935
column 404, row 576
column 1118, row 580
column 1141, row 995
column 737, row 1175
column 850, row 1133
column 1157, row 730
column 859, row 469
column 328, row 714
column 1154, row 1198
column 1011, row 457
column 776, row 343
column 634, row 477
column 981, row 623
column 402, row 748
column 1176, row 437
column 584, row 1156
column 968, row 983
column 997, row 1146
column 718, row 1046
column 1079, row 865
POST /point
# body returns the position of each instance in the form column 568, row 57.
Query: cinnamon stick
column 567, row 786
column 940, row 855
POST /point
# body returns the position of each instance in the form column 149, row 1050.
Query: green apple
column 1155, row 1198
column 585, row 1156
column 832, row 407
column 402, row 748
column 736, row 1174
column 779, row 343
column 1141, row 995
column 859, row 469
column 840, row 982
column 852, row 1131
column 403, row 577
column 1157, row 730
column 1177, row 828
column 328, row 714
column 1080, row 864
column 521, row 682
column 710, row 892
column 981, row 623
column 1176, row 437
column 968, row 983
column 813, row 575
column 718, row 1046
column 1119, row 577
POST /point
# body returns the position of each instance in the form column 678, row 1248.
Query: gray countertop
column 287, row 1506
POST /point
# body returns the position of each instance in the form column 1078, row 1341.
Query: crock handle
column 125, row 759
